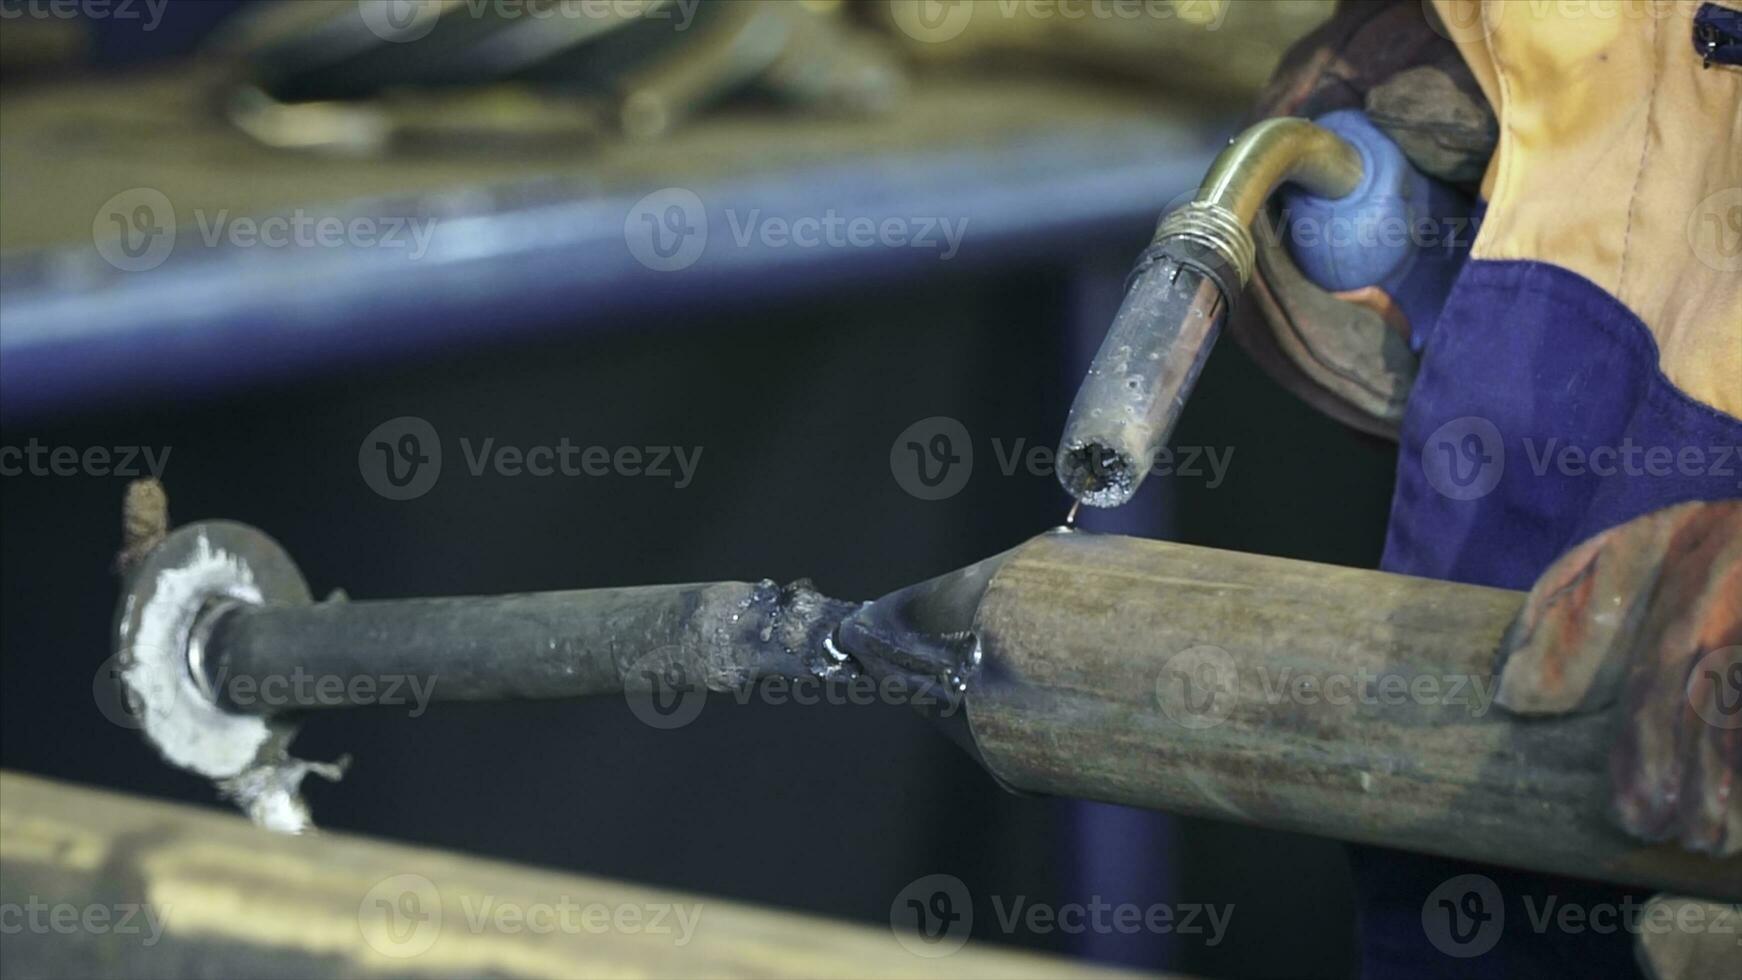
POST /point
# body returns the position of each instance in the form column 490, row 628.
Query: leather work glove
column 1648, row 616
column 1348, row 354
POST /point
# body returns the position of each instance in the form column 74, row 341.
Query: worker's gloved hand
column 1648, row 615
column 1348, row 353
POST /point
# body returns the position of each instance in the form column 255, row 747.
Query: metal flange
column 172, row 596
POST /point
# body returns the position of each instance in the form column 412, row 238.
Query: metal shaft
column 266, row 659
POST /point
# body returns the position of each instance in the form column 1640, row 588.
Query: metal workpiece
column 720, row 636
column 219, row 646
column 1184, row 286
column 1339, row 702
column 922, row 639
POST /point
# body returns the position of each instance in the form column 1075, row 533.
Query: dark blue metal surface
column 75, row 331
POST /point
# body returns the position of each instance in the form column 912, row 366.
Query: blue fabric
column 1545, row 360
column 1525, row 360
column 1718, row 35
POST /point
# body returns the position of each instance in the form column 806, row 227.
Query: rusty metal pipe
column 1338, row 702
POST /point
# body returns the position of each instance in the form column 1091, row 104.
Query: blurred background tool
column 337, row 77
column 207, row 895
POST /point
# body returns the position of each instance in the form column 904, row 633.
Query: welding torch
column 1107, row 668
column 1339, row 171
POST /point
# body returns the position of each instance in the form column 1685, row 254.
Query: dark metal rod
column 720, row 635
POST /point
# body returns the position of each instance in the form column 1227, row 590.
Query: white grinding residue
column 244, row 754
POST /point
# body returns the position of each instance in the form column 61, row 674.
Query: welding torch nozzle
column 1180, row 292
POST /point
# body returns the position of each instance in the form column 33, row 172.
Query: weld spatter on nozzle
column 1097, row 474
column 1136, row 387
